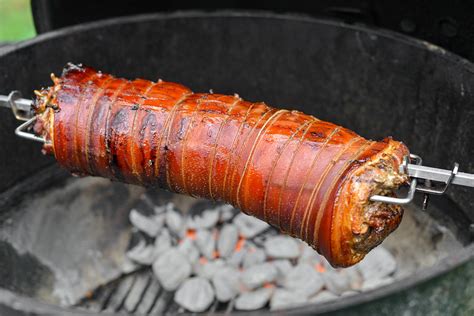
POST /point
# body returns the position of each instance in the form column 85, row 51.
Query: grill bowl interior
column 373, row 82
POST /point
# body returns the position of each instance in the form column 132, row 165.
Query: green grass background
column 16, row 21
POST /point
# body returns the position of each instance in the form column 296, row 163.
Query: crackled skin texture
column 309, row 178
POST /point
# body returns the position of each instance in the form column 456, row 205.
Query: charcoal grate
column 139, row 293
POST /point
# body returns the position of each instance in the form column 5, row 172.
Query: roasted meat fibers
column 309, row 178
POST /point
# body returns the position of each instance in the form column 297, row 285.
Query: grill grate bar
column 230, row 306
column 162, row 303
column 149, row 297
column 118, row 296
column 98, row 300
column 135, row 295
column 140, row 293
column 213, row 307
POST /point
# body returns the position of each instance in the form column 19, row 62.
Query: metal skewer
column 417, row 171
column 21, row 108
column 412, row 165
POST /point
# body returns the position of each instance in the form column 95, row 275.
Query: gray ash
column 219, row 255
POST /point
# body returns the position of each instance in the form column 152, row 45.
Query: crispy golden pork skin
column 309, row 178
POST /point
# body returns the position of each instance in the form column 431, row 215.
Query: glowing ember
column 191, row 234
column 202, row 260
column 240, row 243
column 319, row 267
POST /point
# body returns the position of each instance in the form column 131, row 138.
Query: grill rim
column 260, row 14
column 10, row 301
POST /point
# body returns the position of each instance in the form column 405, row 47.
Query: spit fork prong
column 21, row 131
column 428, row 189
column 22, row 111
column 417, row 171
column 411, row 191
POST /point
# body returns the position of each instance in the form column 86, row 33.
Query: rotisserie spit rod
column 416, row 171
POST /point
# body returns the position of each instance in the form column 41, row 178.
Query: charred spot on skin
column 114, row 163
column 135, row 107
column 318, row 134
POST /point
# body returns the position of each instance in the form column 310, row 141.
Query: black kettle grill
column 56, row 232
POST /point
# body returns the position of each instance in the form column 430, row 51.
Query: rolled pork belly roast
column 309, row 178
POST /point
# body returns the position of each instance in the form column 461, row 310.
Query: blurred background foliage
column 16, row 21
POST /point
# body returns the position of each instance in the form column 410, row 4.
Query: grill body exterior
column 372, row 81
